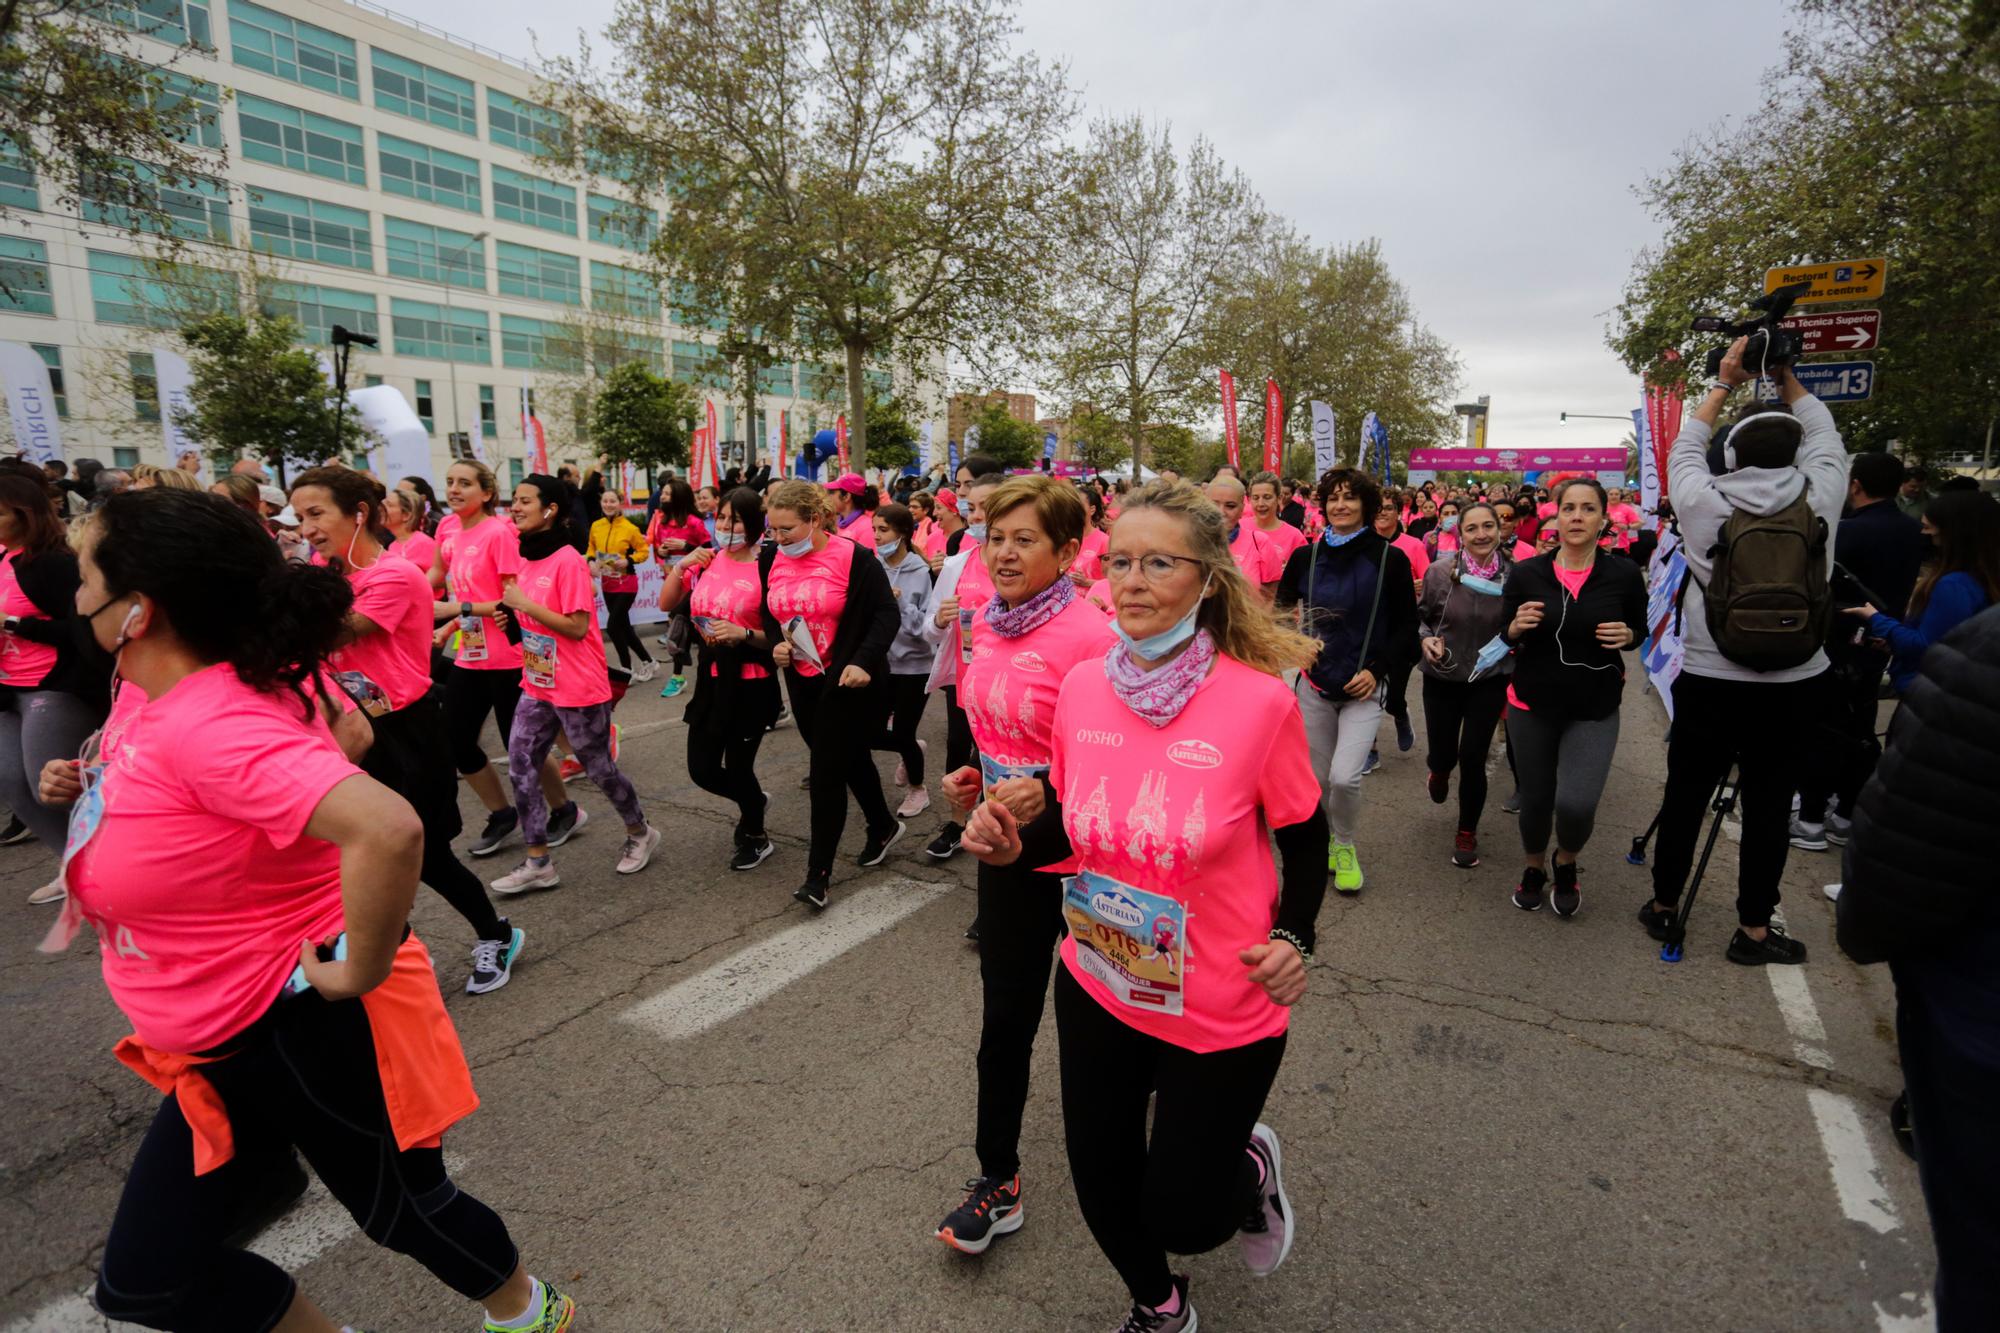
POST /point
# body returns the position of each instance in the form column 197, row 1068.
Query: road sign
column 1841, row 280
column 1838, row 330
column 1829, row 381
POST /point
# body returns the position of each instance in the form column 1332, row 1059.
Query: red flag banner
column 782, row 468
column 840, row 441
column 538, row 442
column 1229, row 418
column 1663, row 422
column 1274, row 426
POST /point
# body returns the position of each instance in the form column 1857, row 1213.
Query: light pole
column 1564, row 418
column 450, row 344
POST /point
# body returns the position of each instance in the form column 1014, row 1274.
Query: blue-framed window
column 615, row 222
column 301, row 228
column 285, row 136
column 425, row 328
column 540, row 275
column 286, row 48
column 518, row 197
column 317, row 309
column 434, row 175
column 137, row 197
column 125, row 289
column 434, row 254
column 514, row 123
column 24, row 277
column 423, row 93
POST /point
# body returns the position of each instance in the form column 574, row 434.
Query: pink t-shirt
column 1009, row 688
column 1523, row 551
column 1620, row 515
column 1090, row 555
column 1447, row 541
column 932, row 542
column 812, row 587
column 690, row 530
column 196, row 878
column 1413, row 547
column 569, row 673
column 1182, row 814
column 1256, row 554
column 419, row 548
column 22, row 662
column 476, row 559
column 1571, row 579
column 1286, row 538
column 730, row 590
column 397, row 597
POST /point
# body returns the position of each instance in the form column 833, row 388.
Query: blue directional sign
column 1829, row 381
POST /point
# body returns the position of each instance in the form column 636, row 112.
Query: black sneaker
column 565, row 823
column 945, row 843
column 1775, row 947
column 1528, row 893
column 1567, row 898
column 500, row 826
column 1145, row 1319
column 1657, row 920
column 972, row 931
column 1405, row 736
column 15, row 832
column 878, row 845
column 813, row 892
column 1899, row 1125
column 991, row 1208
column 751, row 853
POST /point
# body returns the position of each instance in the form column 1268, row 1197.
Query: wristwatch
column 1719, row 383
column 465, row 609
column 11, row 624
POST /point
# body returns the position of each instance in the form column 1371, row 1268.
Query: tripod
column 1721, row 803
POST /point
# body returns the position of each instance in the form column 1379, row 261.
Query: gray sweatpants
column 35, row 727
column 1561, row 766
column 1339, row 734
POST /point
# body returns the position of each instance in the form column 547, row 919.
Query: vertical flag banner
column 1663, row 422
column 951, row 460
column 1649, row 472
column 1326, row 440
column 702, row 470
column 538, row 442
column 1229, row 419
column 840, row 440
column 1049, row 443
column 31, row 403
column 774, row 444
column 924, row 452
column 1274, row 427
column 1374, row 455
column 175, row 381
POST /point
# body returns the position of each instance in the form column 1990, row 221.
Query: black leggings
column 1020, row 920
column 836, row 732
column 408, row 757
column 618, row 626
column 722, row 750
column 958, row 748
column 906, row 704
column 1189, row 1189
column 1459, row 718
column 303, row 1076
column 469, row 695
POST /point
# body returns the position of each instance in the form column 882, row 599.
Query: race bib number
column 993, row 772
column 965, row 614
column 1133, row 942
column 471, row 639
column 538, row 657
column 369, row 697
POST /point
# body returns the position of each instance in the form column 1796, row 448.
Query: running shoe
column 991, row 1208
column 813, row 892
column 1657, row 920
column 556, row 1315
column 663, row 641
column 1345, row 863
column 750, row 854
column 54, row 891
column 1808, row 837
column 1512, row 805
column 1438, row 785
column 527, row 876
column 1899, row 1125
column 878, row 845
column 903, row 769
column 674, row 685
column 571, row 768
column 1373, row 762
column 1528, row 893
column 972, row 931
column 783, row 719
column 566, row 823
column 1837, row 829
column 643, row 671
column 1465, row 849
column 1266, row 1236
column 1832, row 892
column 636, row 852
column 493, row 960
column 946, row 842
column 500, row 826
column 1775, row 947
column 914, row 803
column 1567, row 897
column 1406, row 738
column 1145, row 1319
column 17, row 832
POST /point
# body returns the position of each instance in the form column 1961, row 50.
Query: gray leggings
column 35, row 727
column 1561, row 766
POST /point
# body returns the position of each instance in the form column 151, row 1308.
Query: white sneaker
column 915, row 803
column 1266, row 1236
column 1832, row 892
column 1808, row 837
column 642, row 672
column 1838, row 829
column 525, row 876
column 903, row 769
column 54, row 891
column 638, row 851
column 663, row 642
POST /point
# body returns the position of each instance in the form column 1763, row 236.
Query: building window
column 299, row 228
column 880, row 383
column 422, row 93
column 285, row 136
column 17, row 180
column 489, row 413
column 371, row 381
column 775, row 381
column 317, row 309
column 697, row 363
column 541, row 275
column 622, row 290
column 125, row 458
column 134, row 197
column 690, row 314
column 291, row 50
column 52, row 358
column 434, row 254
column 430, row 174
column 523, row 125
column 613, row 348
column 182, row 24
column 24, row 277
column 424, row 410
column 615, row 222
column 193, row 107
column 517, row 472
column 422, row 328
column 534, row 344
column 529, row 199
column 145, row 386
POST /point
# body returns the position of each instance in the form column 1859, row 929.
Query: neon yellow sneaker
column 557, row 1313
column 1346, row 867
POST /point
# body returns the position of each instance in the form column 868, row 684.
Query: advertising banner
column 1662, row 650
column 1229, row 419
column 1518, row 460
column 31, row 403
column 1326, row 439
column 1274, row 427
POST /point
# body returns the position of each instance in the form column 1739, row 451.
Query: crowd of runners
column 1160, row 703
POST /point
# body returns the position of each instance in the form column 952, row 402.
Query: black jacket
column 1560, row 669
column 1883, row 548
column 82, row 668
column 1918, row 875
column 1340, row 582
column 867, row 623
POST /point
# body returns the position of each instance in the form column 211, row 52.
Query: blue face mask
column 728, row 541
column 975, row 532
column 1155, row 646
column 1492, row 655
column 886, row 549
column 1449, row 522
column 802, row 546
column 1487, row 586
column 965, row 509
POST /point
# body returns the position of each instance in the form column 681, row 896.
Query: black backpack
column 1766, row 598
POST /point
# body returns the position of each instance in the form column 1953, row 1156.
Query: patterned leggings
column 536, row 722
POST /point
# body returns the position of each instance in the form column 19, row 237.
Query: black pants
column 958, row 747
column 1762, row 728
column 618, row 627
column 409, row 757
column 1396, row 700
column 1020, row 920
column 1459, row 718
column 1192, row 1186
column 906, row 708
column 722, row 749
column 303, row 1076
column 837, row 730
column 469, row 695
column 1842, row 743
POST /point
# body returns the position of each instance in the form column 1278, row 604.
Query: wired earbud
column 1562, row 620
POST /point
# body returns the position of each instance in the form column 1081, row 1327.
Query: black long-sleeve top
column 1560, row 669
column 50, row 580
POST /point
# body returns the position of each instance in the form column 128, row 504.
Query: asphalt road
column 706, row 1109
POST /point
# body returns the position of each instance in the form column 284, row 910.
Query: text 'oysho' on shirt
column 812, row 587
column 569, row 673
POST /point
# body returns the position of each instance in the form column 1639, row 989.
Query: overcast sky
column 1491, row 147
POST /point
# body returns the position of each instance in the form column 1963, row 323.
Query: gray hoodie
column 1703, row 503
column 909, row 655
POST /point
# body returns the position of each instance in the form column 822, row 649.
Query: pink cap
column 851, row 483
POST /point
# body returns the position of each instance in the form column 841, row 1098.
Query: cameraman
column 1726, row 713
column 1880, row 549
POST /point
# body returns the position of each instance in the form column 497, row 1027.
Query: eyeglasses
column 1153, row 567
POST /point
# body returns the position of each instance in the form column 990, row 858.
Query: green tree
column 257, row 393
column 640, row 417
column 892, row 437
column 1879, row 135
column 1007, row 441
column 866, row 175
column 1176, row 447
column 1098, row 438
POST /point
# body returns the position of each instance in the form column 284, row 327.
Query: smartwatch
column 465, row 610
column 11, row 624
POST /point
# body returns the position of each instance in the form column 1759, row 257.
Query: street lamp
column 344, row 343
column 451, row 350
column 1563, row 419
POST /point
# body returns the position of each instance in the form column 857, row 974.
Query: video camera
column 1769, row 345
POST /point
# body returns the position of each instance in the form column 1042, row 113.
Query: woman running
column 565, row 686
column 616, row 550
column 1024, row 643
column 1172, row 765
column 736, row 687
column 926, row 532
column 909, row 656
column 1570, row 616
column 1465, row 668
column 831, row 618
column 1443, row 539
column 1396, row 700
column 676, row 532
column 960, row 594
column 384, row 664
column 1355, row 595
column 431, row 513
column 217, row 756
column 402, row 514
column 1265, row 493
column 1089, row 566
column 478, row 555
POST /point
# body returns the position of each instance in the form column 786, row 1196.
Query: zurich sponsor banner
column 1326, row 439
column 31, row 403
column 406, row 445
column 1518, row 460
column 774, row 444
column 1662, row 651
column 175, row 381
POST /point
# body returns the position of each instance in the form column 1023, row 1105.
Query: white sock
column 527, row 1317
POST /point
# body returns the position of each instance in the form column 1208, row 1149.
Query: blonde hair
column 1058, row 508
column 802, row 497
column 171, row 478
column 1233, row 616
column 487, row 481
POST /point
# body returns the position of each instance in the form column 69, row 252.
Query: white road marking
column 754, row 974
column 1801, row 1015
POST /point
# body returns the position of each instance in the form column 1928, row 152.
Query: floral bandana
column 1490, row 570
column 1012, row 622
column 1159, row 695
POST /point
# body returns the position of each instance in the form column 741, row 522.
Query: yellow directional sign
column 1841, row 280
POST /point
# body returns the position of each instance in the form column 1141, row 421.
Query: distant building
column 966, row 406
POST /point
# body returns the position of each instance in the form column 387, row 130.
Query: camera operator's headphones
column 1764, row 430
